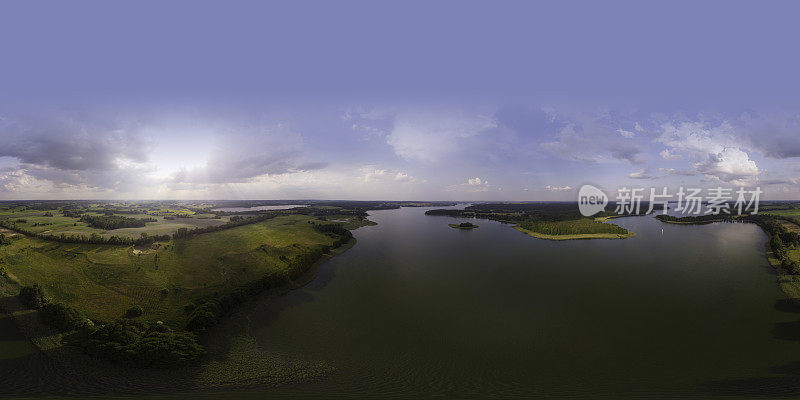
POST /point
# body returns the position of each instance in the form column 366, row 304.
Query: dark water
column 418, row 309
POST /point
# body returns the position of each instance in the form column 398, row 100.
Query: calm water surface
column 417, row 308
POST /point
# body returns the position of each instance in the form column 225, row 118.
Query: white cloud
column 594, row 138
column 424, row 137
column 403, row 177
column 673, row 171
column 378, row 175
column 712, row 150
column 627, row 134
column 558, row 188
column 472, row 185
column 643, row 174
column 667, row 155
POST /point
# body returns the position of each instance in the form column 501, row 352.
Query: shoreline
column 788, row 284
column 233, row 361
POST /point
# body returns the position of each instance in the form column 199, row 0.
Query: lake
column 418, row 309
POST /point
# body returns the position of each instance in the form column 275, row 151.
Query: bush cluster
column 135, row 343
column 32, row 296
column 208, row 313
column 125, row 341
column 109, row 222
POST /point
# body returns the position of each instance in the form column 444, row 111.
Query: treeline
column 573, row 227
column 110, row 222
column 696, row 219
column 336, row 231
column 183, row 233
column 781, row 240
column 500, row 217
column 124, row 341
column 143, row 240
column 94, row 238
column 207, row 313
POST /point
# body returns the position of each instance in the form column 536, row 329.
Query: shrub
column 133, row 312
column 63, row 317
column 32, row 296
column 206, row 314
column 134, row 343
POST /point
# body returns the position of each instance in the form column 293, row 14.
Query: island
column 463, row 225
column 542, row 220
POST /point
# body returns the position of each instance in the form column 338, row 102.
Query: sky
column 390, row 100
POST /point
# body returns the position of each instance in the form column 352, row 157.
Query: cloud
column 626, row 134
column 242, row 153
column 673, row 171
column 558, row 188
column 429, row 137
column 377, row 175
column 712, row 150
column 627, row 152
column 472, row 185
column 730, row 165
column 775, row 135
column 594, row 138
column 371, row 122
column 403, row 177
column 643, row 174
column 74, row 150
column 667, row 155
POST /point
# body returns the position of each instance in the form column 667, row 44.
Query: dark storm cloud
column 74, row 150
column 71, row 144
column 627, row 152
column 245, row 153
column 775, row 136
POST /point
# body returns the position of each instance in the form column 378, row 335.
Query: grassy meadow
column 57, row 224
column 105, row 280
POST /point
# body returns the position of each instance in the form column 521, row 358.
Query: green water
column 418, row 309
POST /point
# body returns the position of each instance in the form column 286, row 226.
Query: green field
column 58, row 224
column 104, row 280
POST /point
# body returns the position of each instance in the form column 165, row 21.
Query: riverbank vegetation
column 463, row 225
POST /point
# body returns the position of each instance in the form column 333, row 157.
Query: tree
column 32, row 296
column 133, row 312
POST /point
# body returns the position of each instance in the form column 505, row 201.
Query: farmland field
column 105, row 280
